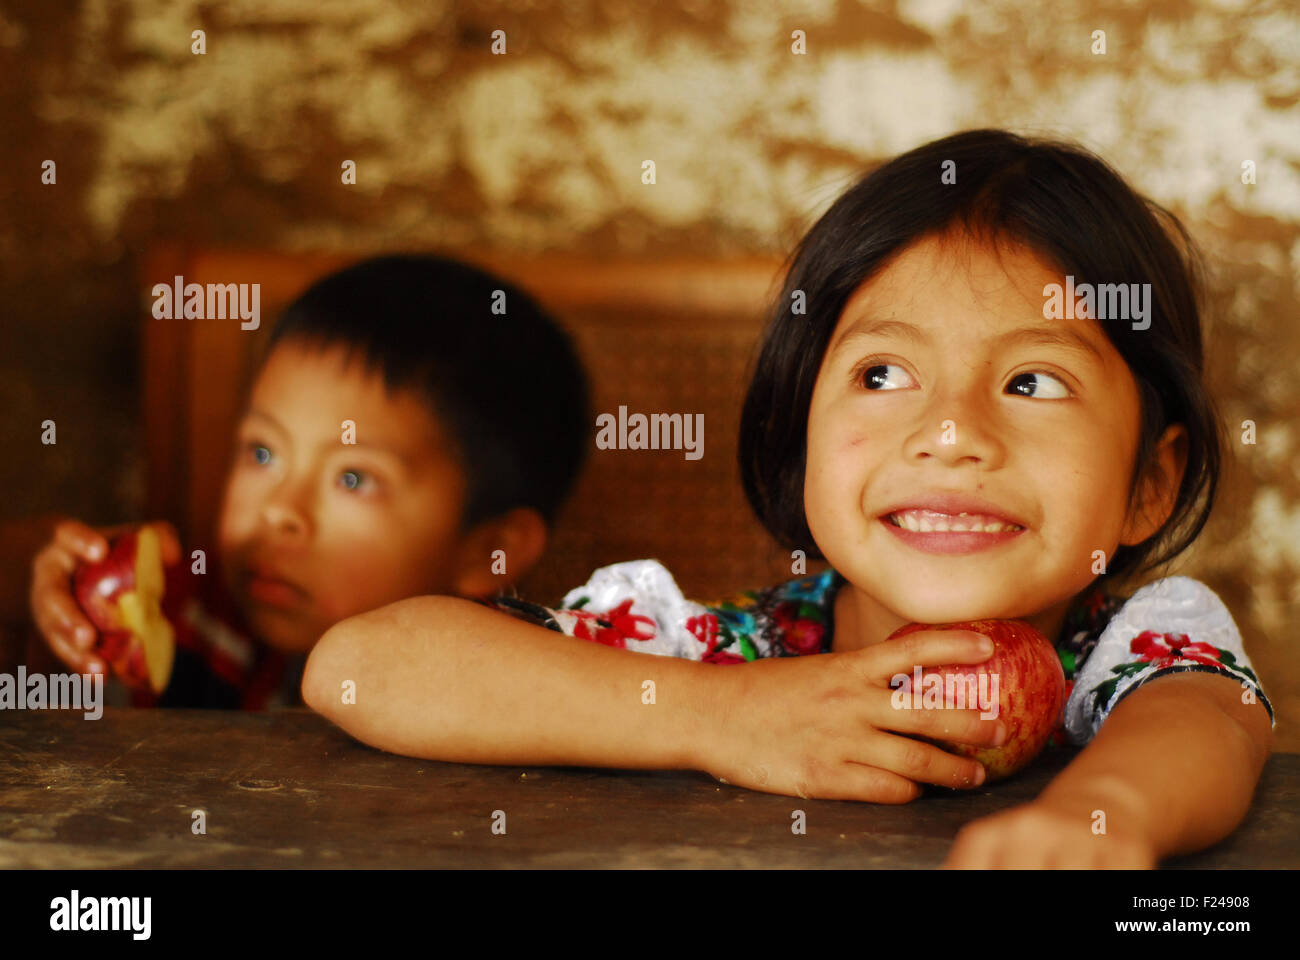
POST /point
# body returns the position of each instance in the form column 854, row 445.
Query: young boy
column 467, row 429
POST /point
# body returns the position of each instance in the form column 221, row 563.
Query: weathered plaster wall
column 541, row 148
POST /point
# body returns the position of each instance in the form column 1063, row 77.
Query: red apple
column 1030, row 690
column 122, row 595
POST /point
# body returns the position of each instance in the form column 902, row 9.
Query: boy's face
column 350, row 527
column 1046, row 432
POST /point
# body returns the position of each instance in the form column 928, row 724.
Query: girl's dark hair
column 507, row 387
column 1051, row 196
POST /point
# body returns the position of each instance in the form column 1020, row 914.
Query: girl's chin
column 956, row 604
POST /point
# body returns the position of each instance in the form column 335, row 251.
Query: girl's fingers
column 858, row 781
column 924, row 762
column 924, row 648
column 949, row 723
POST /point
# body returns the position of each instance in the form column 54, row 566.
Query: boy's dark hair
column 508, row 388
column 1051, row 196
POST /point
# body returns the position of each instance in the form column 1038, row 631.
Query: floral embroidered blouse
column 1109, row 646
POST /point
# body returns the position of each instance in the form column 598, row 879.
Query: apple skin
column 121, row 595
column 1031, row 691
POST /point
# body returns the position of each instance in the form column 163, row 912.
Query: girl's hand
column 1048, row 835
column 54, row 610
column 817, row 726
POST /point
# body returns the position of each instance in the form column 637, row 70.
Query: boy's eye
column 352, row 479
column 1058, row 392
column 257, row 450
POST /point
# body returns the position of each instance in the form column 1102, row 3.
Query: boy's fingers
column 100, row 539
column 62, row 623
column 80, row 540
column 70, row 619
column 51, row 594
column 171, row 543
column 52, row 565
column 60, row 635
column 78, row 660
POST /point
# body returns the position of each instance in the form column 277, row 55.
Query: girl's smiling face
column 983, row 398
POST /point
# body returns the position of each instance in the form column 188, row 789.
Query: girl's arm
column 1178, row 760
column 1172, row 770
column 449, row 679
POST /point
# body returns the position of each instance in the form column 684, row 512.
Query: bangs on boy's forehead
column 504, row 386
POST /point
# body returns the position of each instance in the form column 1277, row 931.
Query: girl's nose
column 953, row 433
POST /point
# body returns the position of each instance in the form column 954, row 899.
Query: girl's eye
column 257, row 450
column 353, row 479
column 1058, row 392
column 874, row 376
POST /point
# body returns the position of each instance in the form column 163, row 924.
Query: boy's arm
column 1177, row 761
column 449, row 679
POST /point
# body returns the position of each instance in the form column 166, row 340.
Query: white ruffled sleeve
column 635, row 605
column 1172, row 625
column 656, row 619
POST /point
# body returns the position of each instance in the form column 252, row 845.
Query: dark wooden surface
column 287, row 789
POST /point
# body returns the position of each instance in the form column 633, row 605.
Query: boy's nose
column 284, row 517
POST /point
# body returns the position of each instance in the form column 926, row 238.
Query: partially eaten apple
column 1026, row 673
column 122, row 596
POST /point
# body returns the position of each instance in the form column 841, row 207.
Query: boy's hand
column 818, row 726
column 54, row 610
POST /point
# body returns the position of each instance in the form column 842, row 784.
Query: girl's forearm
column 1176, row 760
column 448, row 679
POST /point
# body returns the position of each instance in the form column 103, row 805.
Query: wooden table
column 287, row 789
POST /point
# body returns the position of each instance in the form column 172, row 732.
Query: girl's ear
column 1158, row 489
column 498, row 552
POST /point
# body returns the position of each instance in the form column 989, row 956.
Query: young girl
column 959, row 442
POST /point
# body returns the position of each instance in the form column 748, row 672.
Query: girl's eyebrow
column 1040, row 335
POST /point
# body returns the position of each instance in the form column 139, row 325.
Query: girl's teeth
column 918, row 521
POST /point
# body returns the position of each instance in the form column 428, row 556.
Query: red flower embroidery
column 614, row 627
column 1166, row 649
column 801, row 635
column 705, row 629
